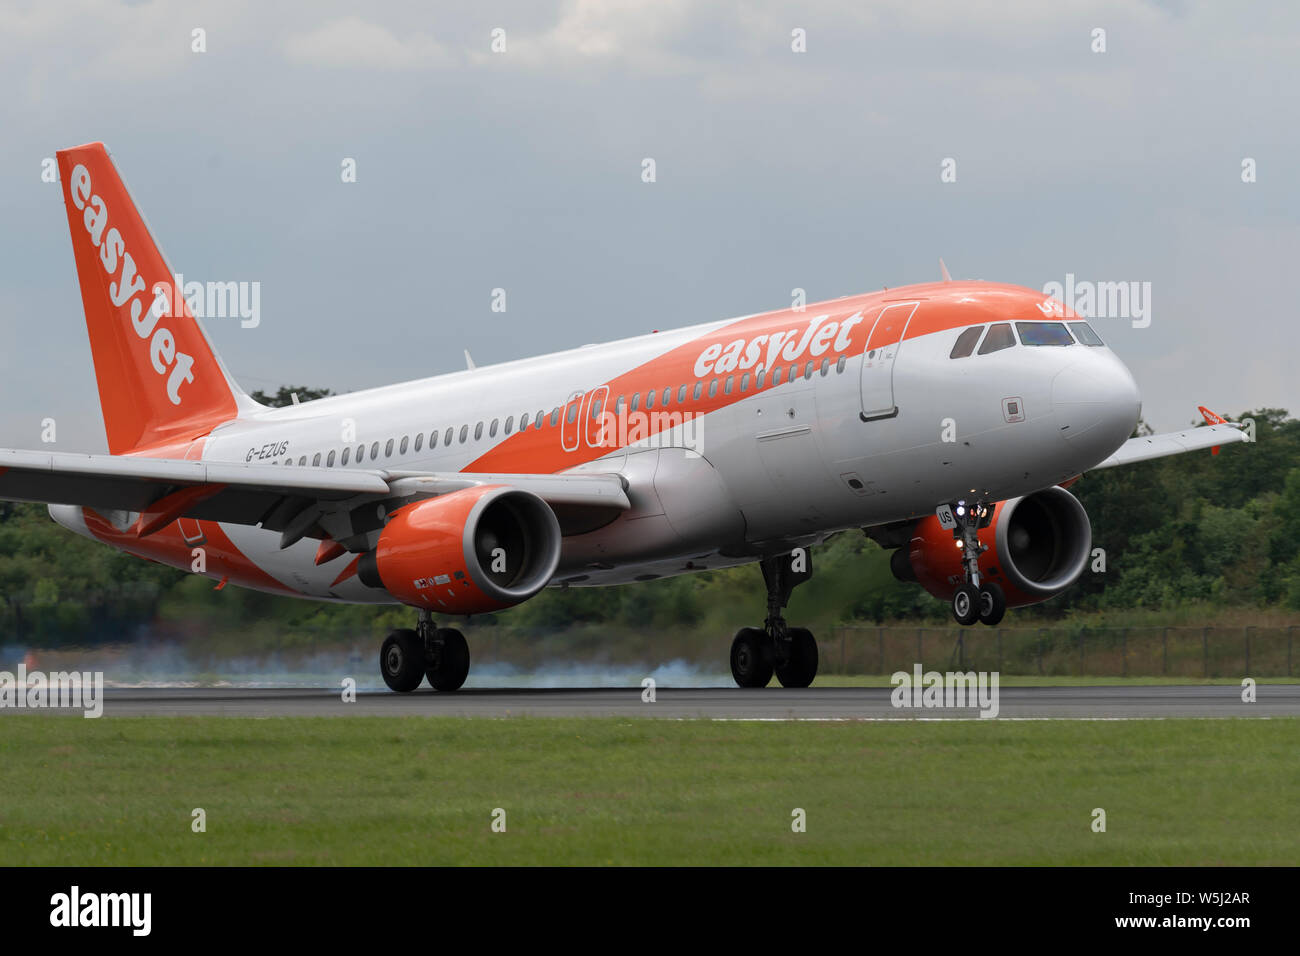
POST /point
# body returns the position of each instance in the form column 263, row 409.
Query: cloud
column 350, row 42
column 636, row 34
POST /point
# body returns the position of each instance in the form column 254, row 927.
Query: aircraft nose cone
column 1097, row 403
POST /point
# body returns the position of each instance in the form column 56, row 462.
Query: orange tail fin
column 160, row 382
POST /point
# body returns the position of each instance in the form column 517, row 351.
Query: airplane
column 946, row 420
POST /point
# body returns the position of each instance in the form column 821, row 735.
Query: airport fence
column 1199, row 652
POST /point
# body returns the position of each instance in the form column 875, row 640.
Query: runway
column 771, row 703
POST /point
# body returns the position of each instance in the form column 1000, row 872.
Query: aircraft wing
column 286, row 499
column 1146, row 447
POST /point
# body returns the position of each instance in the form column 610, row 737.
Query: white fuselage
column 761, row 469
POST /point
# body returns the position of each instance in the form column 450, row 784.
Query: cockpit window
column 1084, row 333
column 1000, row 337
column 1043, row 333
column 966, row 342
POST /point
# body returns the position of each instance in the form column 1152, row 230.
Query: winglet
column 1212, row 418
column 943, row 270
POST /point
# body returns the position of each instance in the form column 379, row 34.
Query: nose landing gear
column 974, row 600
column 789, row 652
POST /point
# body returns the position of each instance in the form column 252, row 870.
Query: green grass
column 422, row 790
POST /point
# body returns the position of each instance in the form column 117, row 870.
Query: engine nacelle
column 468, row 552
column 1038, row 546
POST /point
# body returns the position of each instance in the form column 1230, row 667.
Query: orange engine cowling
column 1038, row 546
column 471, row 551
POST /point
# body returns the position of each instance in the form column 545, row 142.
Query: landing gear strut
column 790, row 652
column 439, row 654
column 974, row 600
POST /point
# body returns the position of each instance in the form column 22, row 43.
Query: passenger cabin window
column 419, row 441
column 492, row 429
column 649, row 399
column 510, row 424
column 478, row 431
column 302, row 462
column 329, row 461
column 446, row 439
column 361, row 454
column 315, row 460
column 668, row 396
column 699, row 387
column 374, row 451
column 464, row 433
column 347, row 453
column 555, row 416
column 1085, row 334
column 1000, row 337
column 966, row 342
column 388, row 449
column 839, row 366
column 681, row 395
column 401, row 449
column 1043, row 333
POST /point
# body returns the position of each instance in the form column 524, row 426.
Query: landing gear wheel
column 992, row 603
column 401, row 661
column 451, row 667
column 801, row 668
column 751, row 657
column 966, row 604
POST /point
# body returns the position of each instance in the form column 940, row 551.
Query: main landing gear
column 437, row 653
column 974, row 600
column 789, row 652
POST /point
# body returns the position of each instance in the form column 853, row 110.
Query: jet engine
column 468, row 552
column 1038, row 545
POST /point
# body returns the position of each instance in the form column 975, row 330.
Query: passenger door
column 882, row 349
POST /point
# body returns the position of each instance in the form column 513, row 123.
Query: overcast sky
column 775, row 169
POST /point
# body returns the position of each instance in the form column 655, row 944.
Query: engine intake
column 1038, row 545
column 471, row 551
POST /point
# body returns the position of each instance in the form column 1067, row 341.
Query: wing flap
column 161, row 490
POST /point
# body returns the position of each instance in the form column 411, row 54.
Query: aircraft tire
column 401, row 661
column 751, row 657
column 801, row 668
column 453, row 663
